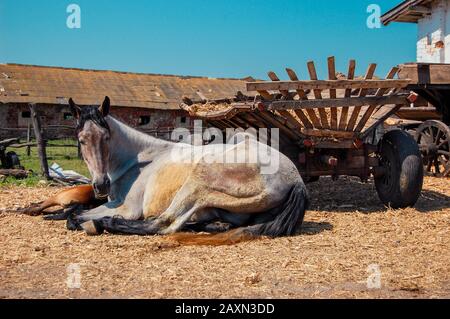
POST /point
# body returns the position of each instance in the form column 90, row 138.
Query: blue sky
column 216, row 38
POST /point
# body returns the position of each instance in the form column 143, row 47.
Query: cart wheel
column 433, row 138
column 401, row 184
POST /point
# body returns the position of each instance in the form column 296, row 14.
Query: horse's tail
column 286, row 223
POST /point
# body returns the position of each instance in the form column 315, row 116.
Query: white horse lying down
column 155, row 188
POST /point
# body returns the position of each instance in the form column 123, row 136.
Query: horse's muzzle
column 102, row 188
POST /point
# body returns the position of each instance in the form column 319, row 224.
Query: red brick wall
column 158, row 118
column 54, row 115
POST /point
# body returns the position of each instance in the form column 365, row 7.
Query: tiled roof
column 54, row 85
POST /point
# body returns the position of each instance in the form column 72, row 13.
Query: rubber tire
column 12, row 160
column 405, row 181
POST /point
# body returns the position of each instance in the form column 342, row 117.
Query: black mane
column 91, row 113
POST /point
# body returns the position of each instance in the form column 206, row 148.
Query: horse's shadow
column 314, row 228
column 349, row 194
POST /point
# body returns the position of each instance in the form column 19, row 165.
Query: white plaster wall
column 433, row 29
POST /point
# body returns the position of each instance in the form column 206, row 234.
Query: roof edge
column 121, row 72
column 402, row 10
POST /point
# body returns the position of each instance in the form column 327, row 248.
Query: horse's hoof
column 91, row 228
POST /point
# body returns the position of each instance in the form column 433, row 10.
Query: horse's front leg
column 79, row 221
column 181, row 210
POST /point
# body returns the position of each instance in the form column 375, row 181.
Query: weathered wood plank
column 339, row 102
column 9, row 141
column 418, row 113
column 269, row 118
column 293, row 76
column 321, row 85
column 40, row 141
column 318, row 94
column 275, row 78
column 265, row 95
column 423, row 73
column 303, row 96
column 290, row 118
column 348, row 93
column 286, row 114
column 16, row 173
column 328, row 133
column 369, row 75
column 378, row 118
column 373, row 106
column 332, row 76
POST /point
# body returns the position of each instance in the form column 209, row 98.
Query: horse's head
column 93, row 134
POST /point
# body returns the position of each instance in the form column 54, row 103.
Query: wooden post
column 79, row 150
column 40, row 141
column 29, row 139
column 2, row 156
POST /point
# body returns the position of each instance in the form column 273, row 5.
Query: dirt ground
column 348, row 239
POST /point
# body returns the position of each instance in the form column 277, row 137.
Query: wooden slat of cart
column 217, row 124
column 318, row 95
column 265, row 94
column 247, row 117
column 332, row 76
column 329, row 133
column 348, row 93
column 302, row 94
column 285, row 113
column 268, row 117
column 275, row 78
column 241, row 122
column 372, row 107
column 322, row 85
column 229, row 123
column 354, row 117
column 339, row 102
column 380, row 116
column 261, row 123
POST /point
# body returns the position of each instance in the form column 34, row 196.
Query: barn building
column 433, row 20
column 149, row 102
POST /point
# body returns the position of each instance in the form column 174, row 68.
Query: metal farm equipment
column 330, row 127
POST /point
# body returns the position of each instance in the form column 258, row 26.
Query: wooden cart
column 430, row 120
column 330, row 127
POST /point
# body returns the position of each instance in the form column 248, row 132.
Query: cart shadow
column 349, row 194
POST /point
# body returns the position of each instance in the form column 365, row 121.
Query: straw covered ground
column 348, row 239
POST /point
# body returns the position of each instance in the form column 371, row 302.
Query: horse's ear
column 104, row 108
column 74, row 109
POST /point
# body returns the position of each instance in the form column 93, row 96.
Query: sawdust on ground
column 347, row 237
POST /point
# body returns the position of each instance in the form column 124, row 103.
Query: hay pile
column 208, row 108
